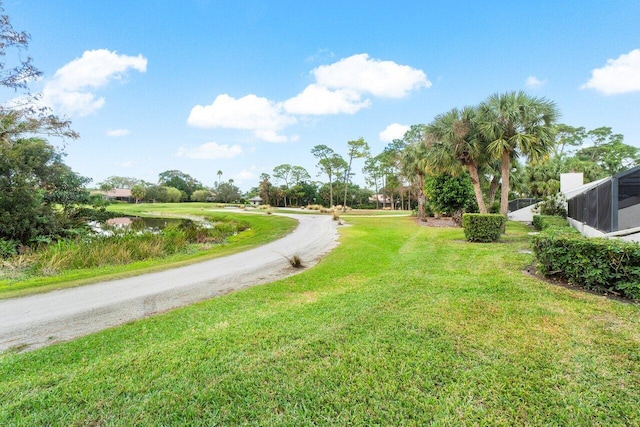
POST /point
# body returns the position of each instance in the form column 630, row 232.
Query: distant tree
column 265, row 189
column 227, row 192
column 201, row 196
column 219, row 176
column 396, row 179
column 568, row 137
column 373, row 175
column 330, row 163
column 415, row 165
column 174, row 195
column 157, row 194
column 609, row 151
column 138, row 192
column 284, row 172
column 118, row 182
column 299, row 174
column 358, row 149
column 180, row 180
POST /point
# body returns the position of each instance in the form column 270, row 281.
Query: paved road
column 39, row 320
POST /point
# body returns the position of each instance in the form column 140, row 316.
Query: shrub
column 483, row 227
column 450, row 195
column 553, row 205
column 542, row 222
column 8, row 248
column 604, row 265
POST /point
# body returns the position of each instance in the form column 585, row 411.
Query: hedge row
column 483, row 227
column 542, row 222
column 603, row 265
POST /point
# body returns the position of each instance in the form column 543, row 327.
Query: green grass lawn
column 264, row 229
column 400, row 325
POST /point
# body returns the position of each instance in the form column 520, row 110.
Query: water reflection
column 139, row 224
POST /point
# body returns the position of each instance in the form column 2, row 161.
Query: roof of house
column 586, row 187
column 118, row 192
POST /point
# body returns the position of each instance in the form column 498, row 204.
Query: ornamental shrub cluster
column 603, row 265
column 542, row 222
column 450, row 194
column 483, row 227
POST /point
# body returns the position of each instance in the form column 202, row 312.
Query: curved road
column 39, row 320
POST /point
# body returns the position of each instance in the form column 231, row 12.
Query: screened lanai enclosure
column 608, row 205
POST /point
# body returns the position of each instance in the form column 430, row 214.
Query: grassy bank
column 424, row 329
column 263, row 229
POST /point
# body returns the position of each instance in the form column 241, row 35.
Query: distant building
column 380, row 198
column 118, row 194
column 255, row 201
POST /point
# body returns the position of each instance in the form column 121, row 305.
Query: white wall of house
column 630, row 235
column 523, row 215
column 570, row 181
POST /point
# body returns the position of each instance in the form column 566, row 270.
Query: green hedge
column 542, row 222
column 604, row 265
column 483, row 227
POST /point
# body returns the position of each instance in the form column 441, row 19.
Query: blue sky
column 243, row 86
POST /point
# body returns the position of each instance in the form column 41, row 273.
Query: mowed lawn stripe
column 400, row 325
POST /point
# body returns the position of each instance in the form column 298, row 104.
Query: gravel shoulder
column 38, row 320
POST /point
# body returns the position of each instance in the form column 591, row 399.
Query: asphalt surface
column 38, row 320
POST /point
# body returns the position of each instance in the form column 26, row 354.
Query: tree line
column 175, row 186
column 510, row 144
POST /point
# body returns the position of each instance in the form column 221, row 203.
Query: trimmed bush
column 603, row 265
column 542, row 222
column 483, row 227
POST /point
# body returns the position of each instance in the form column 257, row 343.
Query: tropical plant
column 515, row 124
column 415, row 165
column 455, row 143
column 451, row 195
column 138, row 192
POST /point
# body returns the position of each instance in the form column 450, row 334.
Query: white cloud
column 534, row 82
column 620, row 75
column 71, row 90
column 246, row 175
column 340, row 88
column 362, row 74
column 126, row 164
column 260, row 115
column 210, row 151
column 117, row 132
column 316, row 99
column 393, row 131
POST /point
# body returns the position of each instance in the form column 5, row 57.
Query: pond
column 135, row 224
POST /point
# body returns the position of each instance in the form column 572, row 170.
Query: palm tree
column 514, row 124
column 454, row 143
column 415, row 164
